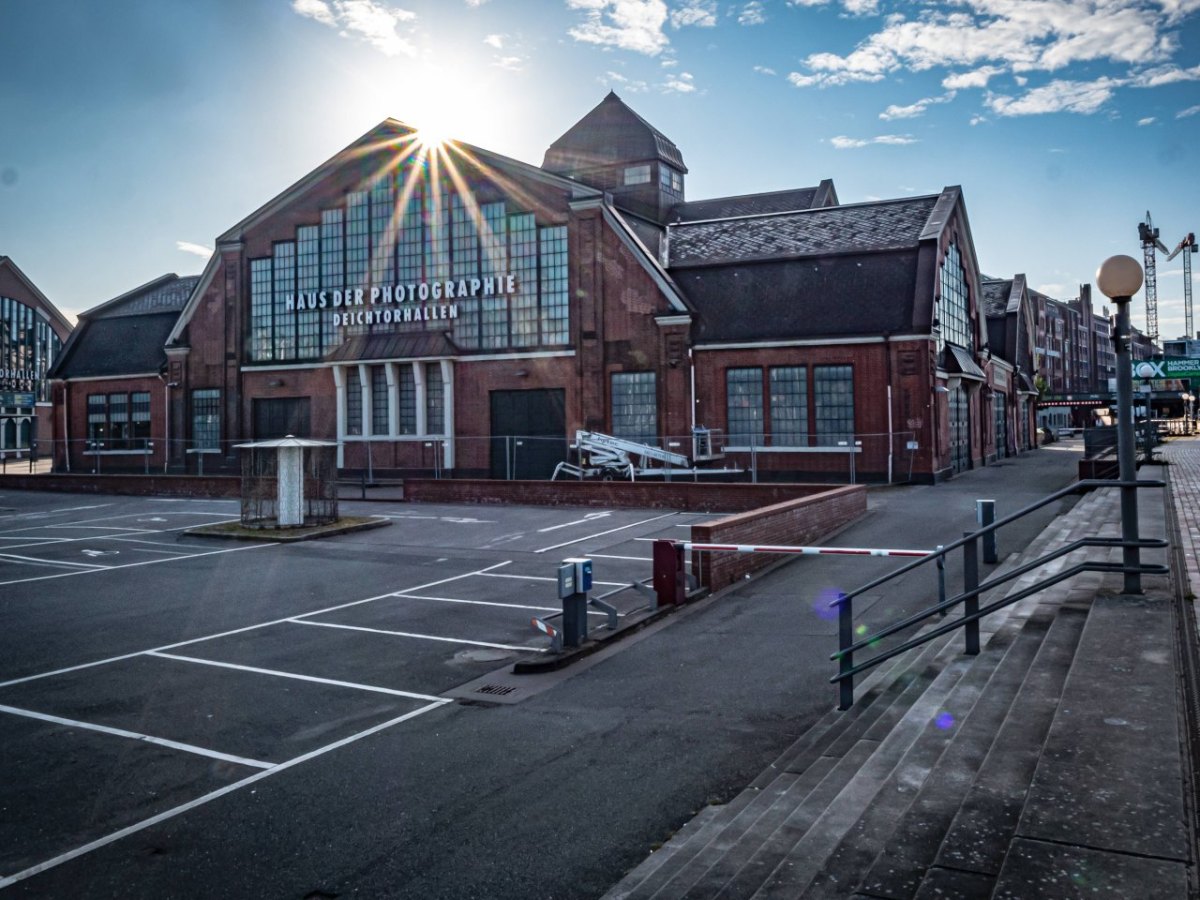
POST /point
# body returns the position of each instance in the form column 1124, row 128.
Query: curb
column 281, row 536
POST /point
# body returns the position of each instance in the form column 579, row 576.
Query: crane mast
column 1187, row 247
column 1150, row 242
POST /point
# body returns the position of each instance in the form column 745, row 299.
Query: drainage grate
column 496, row 690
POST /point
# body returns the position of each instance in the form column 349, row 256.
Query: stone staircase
column 1047, row 766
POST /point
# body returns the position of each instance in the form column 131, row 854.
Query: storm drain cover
column 496, row 690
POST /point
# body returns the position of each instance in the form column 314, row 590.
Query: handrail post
column 846, row 663
column 941, row 576
column 971, row 589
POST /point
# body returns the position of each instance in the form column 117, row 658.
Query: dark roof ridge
column 794, row 212
column 152, row 284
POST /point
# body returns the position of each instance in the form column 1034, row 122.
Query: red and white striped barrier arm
column 805, row 551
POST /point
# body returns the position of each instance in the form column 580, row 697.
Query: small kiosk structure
column 289, row 482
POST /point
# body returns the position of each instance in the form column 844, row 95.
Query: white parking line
column 207, row 798
column 13, row 557
column 407, row 596
column 645, row 559
column 240, row 668
column 420, row 637
column 603, row 533
column 242, row 630
column 149, row 739
column 145, row 562
column 548, row 578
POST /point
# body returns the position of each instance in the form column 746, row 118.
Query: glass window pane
column 833, row 393
column 435, row 418
column 744, row 407
column 635, row 406
column 789, row 406
column 206, row 419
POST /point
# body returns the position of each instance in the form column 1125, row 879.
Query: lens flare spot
column 860, row 630
column 822, row 604
column 944, row 720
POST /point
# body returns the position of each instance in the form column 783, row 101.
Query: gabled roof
column 995, row 297
column 756, row 204
column 126, row 335
column 856, row 228
column 609, row 134
column 51, row 310
column 386, row 133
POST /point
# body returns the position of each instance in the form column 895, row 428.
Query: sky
column 133, row 132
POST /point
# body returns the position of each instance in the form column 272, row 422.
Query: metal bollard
column 985, row 515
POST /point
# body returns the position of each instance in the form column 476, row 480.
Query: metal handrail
column 1078, row 487
column 1144, row 543
column 969, row 621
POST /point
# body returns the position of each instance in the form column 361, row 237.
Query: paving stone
column 1037, row 869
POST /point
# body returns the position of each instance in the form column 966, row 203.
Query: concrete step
column 1108, row 791
column 911, row 812
column 787, row 782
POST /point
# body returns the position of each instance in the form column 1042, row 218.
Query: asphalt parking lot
column 343, row 683
column 147, row 671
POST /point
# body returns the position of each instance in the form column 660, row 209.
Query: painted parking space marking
column 548, row 578
column 588, row 519
column 146, row 562
column 598, row 534
column 213, row 795
column 294, row 675
column 34, row 560
column 421, row 637
column 641, row 559
column 133, row 735
column 520, row 606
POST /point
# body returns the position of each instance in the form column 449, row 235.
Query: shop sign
column 386, row 304
column 17, row 379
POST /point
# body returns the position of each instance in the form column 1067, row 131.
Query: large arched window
column 954, row 311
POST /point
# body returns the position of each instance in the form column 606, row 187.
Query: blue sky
column 135, row 131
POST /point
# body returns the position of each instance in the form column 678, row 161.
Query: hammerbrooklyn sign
column 386, row 304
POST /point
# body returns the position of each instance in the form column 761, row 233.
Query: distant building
column 32, row 332
column 447, row 309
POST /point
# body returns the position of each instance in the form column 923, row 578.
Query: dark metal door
column 528, row 433
column 960, row 430
column 999, row 410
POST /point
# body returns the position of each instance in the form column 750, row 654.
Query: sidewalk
column 1053, row 764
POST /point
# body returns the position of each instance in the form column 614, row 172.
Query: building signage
column 16, row 398
column 386, row 304
column 17, row 379
column 1176, row 367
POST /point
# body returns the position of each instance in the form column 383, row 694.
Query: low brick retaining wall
column 132, row 485
column 801, row 522
column 686, row 496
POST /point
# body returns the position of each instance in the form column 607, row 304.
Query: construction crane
column 1187, row 247
column 1150, row 242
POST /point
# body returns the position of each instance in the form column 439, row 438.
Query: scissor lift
column 612, row 458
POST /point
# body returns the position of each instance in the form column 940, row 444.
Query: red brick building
column 448, row 309
column 32, row 332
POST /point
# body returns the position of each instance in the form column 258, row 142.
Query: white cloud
column 683, row 84
column 861, row 7
column 635, row 25
column 1190, row 111
column 194, row 249
column 1149, row 120
column 993, row 36
column 764, row 70
column 976, row 78
column 807, row 2
column 753, row 13
column 978, row 120
column 701, row 13
column 1161, row 75
column 841, row 142
column 1084, row 97
column 475, row 4
column 511, row 63
column 914, row 109
column 375, row 23
column 1021, row 80
column 495, row 40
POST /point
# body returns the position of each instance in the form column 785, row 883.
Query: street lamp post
column 1119, row 278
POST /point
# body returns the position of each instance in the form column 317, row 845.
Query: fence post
column 971, row 590
column 846, row 662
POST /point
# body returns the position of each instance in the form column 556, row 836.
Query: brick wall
column 131, row 485
column 688, row 496
column 799, row 522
